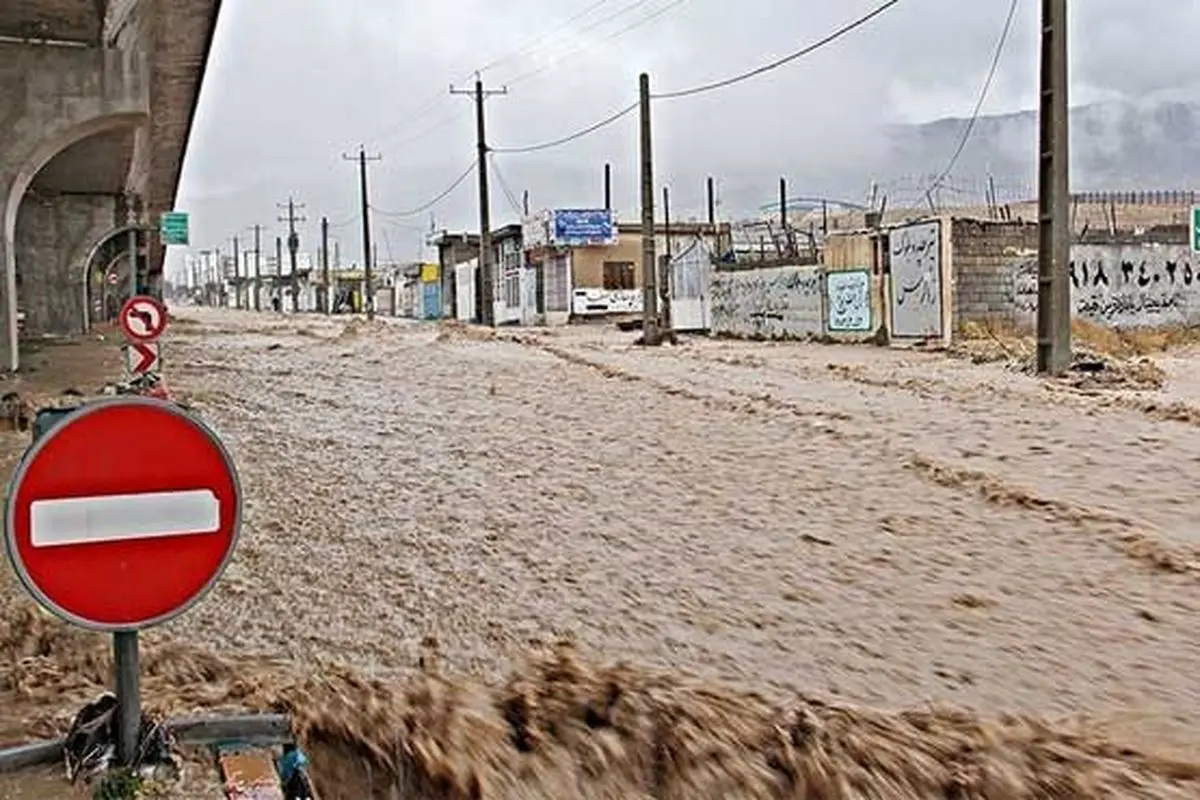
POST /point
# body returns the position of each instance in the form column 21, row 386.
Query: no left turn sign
column 143, row 318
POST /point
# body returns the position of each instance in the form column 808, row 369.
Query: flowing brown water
column 774, row 539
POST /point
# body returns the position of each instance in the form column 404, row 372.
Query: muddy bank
column 560, row 727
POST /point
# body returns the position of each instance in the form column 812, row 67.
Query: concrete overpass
column 97, row 99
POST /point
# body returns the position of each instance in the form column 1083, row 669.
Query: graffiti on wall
column 773, row 303
column 916, row 265
column 848, row 298
column 1123, row 286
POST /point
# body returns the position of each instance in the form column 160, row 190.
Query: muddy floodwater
column 875, row 528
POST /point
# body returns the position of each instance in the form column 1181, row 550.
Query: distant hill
column 1114, row 146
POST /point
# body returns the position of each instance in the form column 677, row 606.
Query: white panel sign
column 916, row 268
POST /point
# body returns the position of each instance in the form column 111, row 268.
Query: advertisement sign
column 584, row 227
column 848, row 298
column 535, row 230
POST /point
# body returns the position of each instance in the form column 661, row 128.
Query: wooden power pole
column 258, row 267
column 327, row 292
column 293, row 245
column 368, row 277
column 278, row 269
column 486, row 280
column 237, row 274
column 1054, row 187
column 651, row 333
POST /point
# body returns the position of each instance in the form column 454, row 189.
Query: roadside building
column 514, row 287
column 591, row 265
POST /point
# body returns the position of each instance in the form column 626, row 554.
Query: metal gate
column 691, row 274
column 529, row 299
column 464, row 292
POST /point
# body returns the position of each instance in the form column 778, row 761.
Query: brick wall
column 985, row 258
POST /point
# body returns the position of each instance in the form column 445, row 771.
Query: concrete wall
column 768, row 303
column 50, row 99
column 986, row 257
column 54, row 237
column 1121, row 285
column 1122, row 282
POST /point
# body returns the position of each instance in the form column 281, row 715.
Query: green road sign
column 1196, row 229
column 174, row 228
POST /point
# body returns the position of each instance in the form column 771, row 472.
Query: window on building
column 618, row 275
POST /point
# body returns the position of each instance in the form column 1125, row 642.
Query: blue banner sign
column 583, row 227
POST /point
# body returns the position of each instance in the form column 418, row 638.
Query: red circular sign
column 143, row 318
column 124, row 514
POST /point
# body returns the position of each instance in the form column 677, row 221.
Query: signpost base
column 129, row 701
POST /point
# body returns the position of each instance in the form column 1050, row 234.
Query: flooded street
column 533, row 564
column 874, row 527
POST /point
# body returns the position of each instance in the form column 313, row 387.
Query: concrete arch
column 89, row 265
column 43, row 154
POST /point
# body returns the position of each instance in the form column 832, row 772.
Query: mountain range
column 1116, row 146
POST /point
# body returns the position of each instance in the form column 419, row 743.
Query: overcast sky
column 287, row 93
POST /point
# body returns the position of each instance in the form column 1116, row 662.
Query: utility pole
column 710, row 191
column 237, row 273
column 218, row 280
column 368, row 279
column 258, row 267
column 665, row 274
column 651, row 335
column 328, row 294
column 1054, row 189
column 783, row 220
column 487, row 283
column 278, row 270
column 525, row 202
column 608, row 187
column 293, row 243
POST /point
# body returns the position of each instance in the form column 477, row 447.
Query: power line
column 533, row 44
column 504, row 187
column 426, row 206
column 983, row 94
column 348, row 221
column 837, row 34
column 436, row 100
column 577, row 135
column 611, row 36
column 745, row 76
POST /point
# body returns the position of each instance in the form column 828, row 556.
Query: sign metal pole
column 126, row 668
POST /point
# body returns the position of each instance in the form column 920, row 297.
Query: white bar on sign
column 121, row 517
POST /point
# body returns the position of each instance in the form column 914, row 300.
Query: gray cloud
column 287, row 93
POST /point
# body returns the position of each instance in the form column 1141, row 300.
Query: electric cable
column 578, row 48
column 504, row 187
column 533, row 44
column 426, row 206
column 983, row 95
column 776, row 64
column 436, row 100
column 564, row 140
column 708, row 87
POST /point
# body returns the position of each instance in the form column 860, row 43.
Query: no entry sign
column 143, row 318
column 124, row 514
